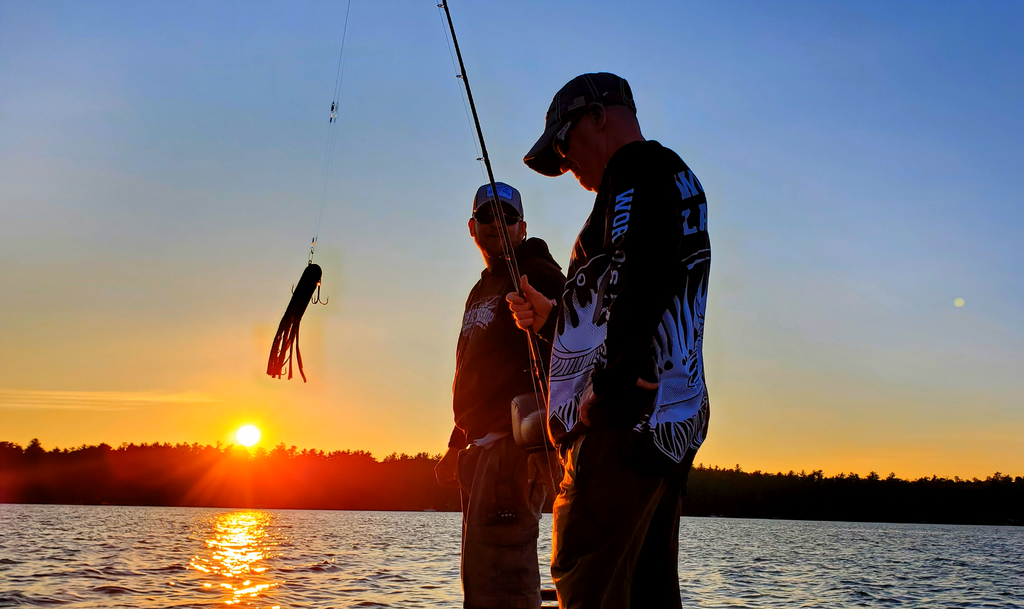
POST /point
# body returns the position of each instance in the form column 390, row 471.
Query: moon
column 247, row 435
column 959, row 302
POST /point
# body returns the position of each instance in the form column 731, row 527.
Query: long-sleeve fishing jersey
column 633, row 305
column 492, row 360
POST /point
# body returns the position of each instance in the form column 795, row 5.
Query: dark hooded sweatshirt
column 492, row 361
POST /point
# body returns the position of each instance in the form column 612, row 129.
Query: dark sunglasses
column 485, row 214
column 561, row 142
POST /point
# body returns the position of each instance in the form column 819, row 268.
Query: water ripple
column 83, row 556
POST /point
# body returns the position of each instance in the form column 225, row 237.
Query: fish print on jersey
column 680, row 417
column 679, row 421
column 579, row 340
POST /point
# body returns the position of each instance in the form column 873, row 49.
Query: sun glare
column 247, row 435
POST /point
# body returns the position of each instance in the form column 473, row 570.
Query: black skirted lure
column 286, row 341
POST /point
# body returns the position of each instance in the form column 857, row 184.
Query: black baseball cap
column 569, row 103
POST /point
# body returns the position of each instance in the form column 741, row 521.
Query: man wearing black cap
column 628, row 404
column 502, row 489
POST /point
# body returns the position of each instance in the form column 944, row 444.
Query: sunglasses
column 485, row 214
column 561, row 141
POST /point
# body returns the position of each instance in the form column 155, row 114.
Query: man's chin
column 583, row 182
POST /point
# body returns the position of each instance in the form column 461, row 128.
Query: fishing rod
column 506, row 241
column 537, row 380
column 540, row 388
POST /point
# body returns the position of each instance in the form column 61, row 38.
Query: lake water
column 85, row 556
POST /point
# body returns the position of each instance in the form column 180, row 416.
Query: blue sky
column 161, row 171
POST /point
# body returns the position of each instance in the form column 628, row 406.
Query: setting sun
column 247, row 435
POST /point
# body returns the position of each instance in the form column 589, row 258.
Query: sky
column 162, row 170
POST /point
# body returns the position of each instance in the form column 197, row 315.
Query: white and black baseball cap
column 506, row 194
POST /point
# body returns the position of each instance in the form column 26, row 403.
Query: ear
column 599, row 114
column 472, row 228
column 524, row 229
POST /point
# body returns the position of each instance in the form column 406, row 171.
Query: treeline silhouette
column 220, row 476
column 998, row 499
column 285, row 477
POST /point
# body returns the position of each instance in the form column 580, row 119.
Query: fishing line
column 536, row 374
column 285, row 348
column 332, row 131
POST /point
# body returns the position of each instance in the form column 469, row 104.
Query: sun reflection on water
column 239, row 544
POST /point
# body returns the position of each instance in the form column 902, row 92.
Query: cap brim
column 542, row 158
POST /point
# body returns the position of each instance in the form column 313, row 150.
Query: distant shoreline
column 183, row 475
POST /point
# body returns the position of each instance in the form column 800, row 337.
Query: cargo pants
column 502, row 498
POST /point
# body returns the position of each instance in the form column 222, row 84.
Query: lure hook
column 316, row 297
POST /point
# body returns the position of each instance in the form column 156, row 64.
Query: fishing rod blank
column 506, row 241
column 536, row 371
